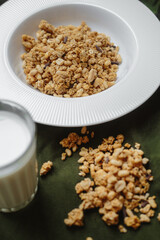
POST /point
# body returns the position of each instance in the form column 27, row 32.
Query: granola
column 72, row 142
column 46, row 167
column 75, row 217
column 119, row 183
column 69, row 61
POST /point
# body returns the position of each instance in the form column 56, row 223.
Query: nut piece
column 116, row 163
column 33, row 72
column 129, row 212
column 152, row 203
column 74, row 148
column 68, row 152
column 46, row 167
column 123, row 173
column 99, row 156
column 145, row 209
column 92, row 75
column 75, row 217
column 112, row 179
column 120, row 185
column 63, row 156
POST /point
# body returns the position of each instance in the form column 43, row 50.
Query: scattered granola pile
column 69, row 61
column 73, row 141
column 119, row 184
column 46, row 167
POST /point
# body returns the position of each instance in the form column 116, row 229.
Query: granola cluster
column 46, row 167
column 69, row 61
column 118, row 184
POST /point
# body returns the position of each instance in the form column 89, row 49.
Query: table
column 43, row 218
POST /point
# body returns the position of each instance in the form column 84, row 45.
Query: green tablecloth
column 43, row 218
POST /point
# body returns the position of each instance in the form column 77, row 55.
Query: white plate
column 131, row 26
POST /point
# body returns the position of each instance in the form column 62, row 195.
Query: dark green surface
column 43, row 218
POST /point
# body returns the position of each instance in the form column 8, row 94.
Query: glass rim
column 9, row 103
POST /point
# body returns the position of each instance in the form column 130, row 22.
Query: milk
column 14, row 137
column 18, row 165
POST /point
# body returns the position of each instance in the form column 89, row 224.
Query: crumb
column 127, row 145
column 83, row 130
column 158, row 216
column 63, row 156
column 122, row 229
column 137, row 145
column 92, row 134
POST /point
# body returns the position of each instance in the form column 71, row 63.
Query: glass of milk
column 18, row 164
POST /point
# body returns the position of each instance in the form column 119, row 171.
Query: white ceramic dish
column 130, row 25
